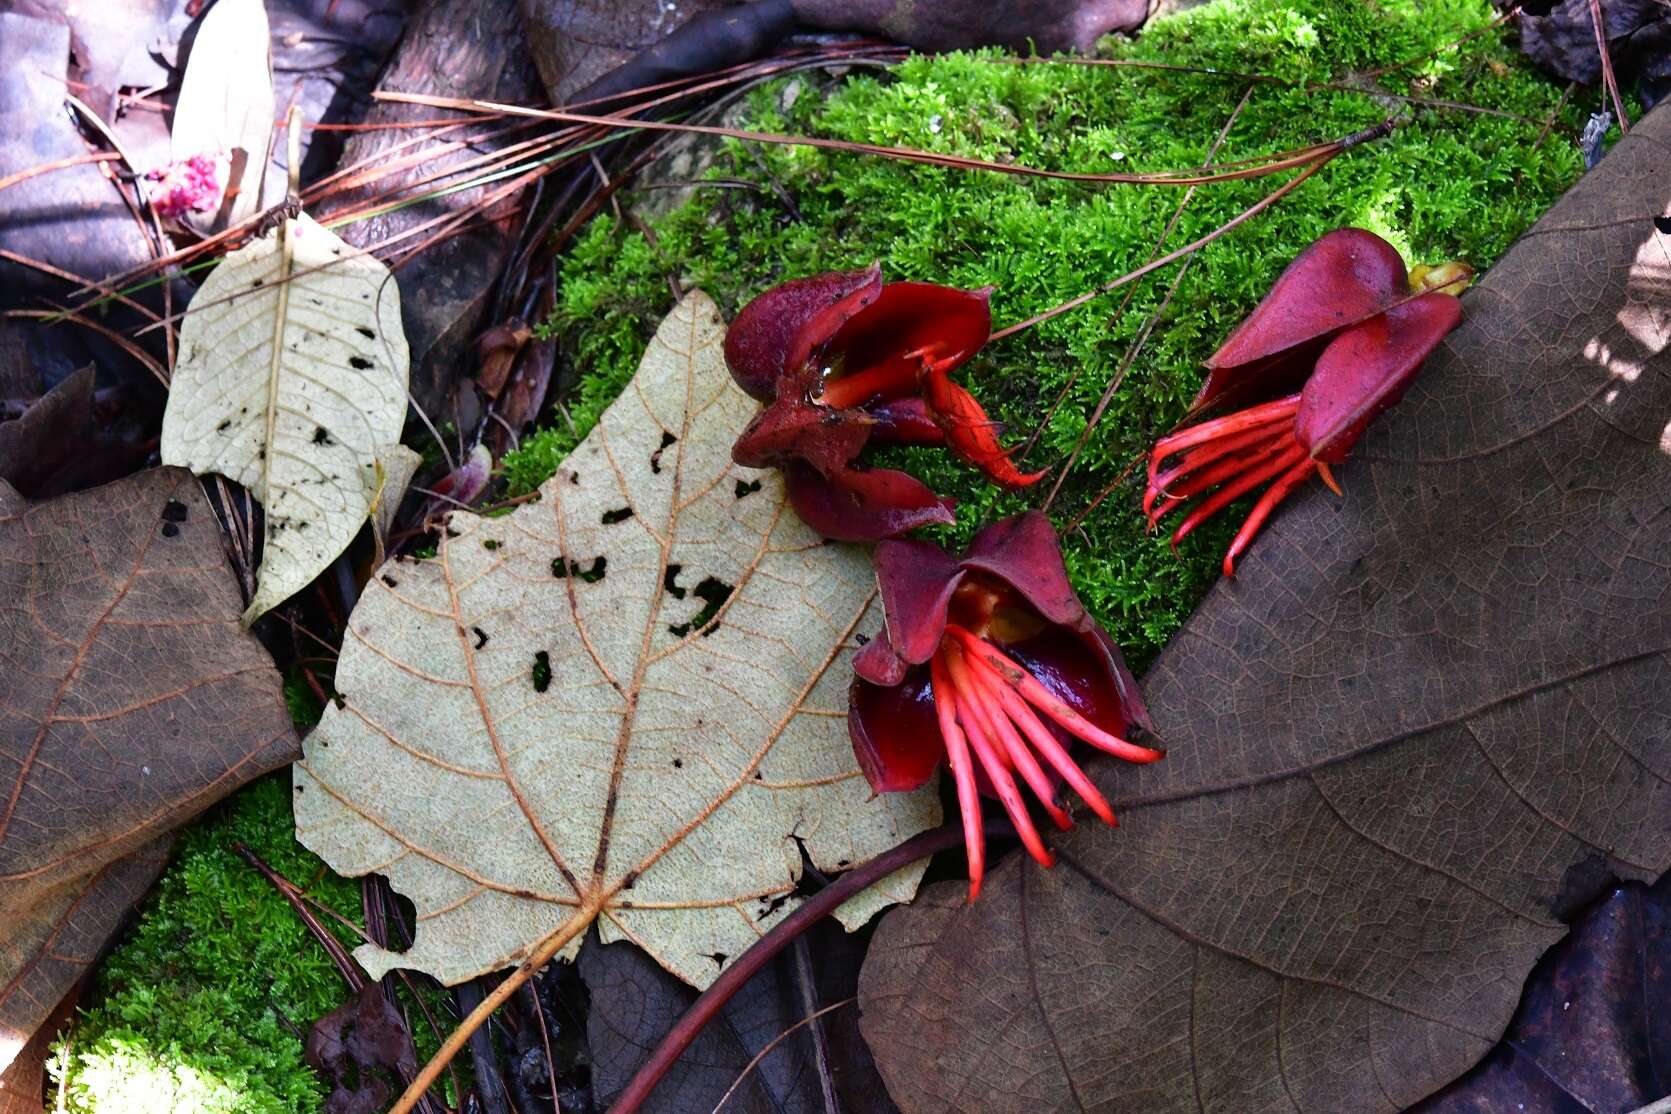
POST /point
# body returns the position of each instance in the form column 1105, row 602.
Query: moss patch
column 1447, row 184
column 204, row 1005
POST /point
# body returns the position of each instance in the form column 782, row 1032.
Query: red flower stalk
column 842, row 359
column 1346, row 329
column 991, row 663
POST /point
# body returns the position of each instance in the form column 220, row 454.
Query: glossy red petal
column 781, row 327
column 970, row 433
column 837, row 509
column 916, row 580
column 879, row 351
column 1343, row 277
column 1367, row 369
column 895, row 732
column 790, row 428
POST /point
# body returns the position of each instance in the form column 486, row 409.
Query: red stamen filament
column 1230, row 457
column 988, row 709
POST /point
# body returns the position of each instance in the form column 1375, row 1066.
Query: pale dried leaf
column 303, row 424
column 395, row 468
column 626, row 699
column 226, row 105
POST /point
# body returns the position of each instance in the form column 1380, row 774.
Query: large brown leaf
column 1421, row 726
column 624, row 702
column 129, row 701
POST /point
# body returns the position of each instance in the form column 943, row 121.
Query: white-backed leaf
column 301, row 422
column 628, row 697
column 226, row 105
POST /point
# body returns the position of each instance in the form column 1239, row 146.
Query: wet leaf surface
column 616, row 704
column 1423, row 725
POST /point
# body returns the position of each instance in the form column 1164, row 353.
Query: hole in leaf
column 359, row 363
column 481, row 636
column 174, row 511
column 655, row 457
column 321, row 435
column 678, row 763
column 490, row 544
column 169, row 530
column 713, row 592
column 719, row 958
column 619, row 514
column 591, row 575
column 749, row 488
column 390, row 581
column 225, row 424
column 542, row 671
column 1663, row 224
column 365, row 332
column 670, row 581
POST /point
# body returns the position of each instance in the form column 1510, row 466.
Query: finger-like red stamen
column 1281, row 409
column 1279, row 491
column 1230, row 492
column 1192, row 486
column 1328, row 479
column 1034, row 692
column 966, row 677
column 963, row 773
column 969, row 432
column 1023, row 717
column 997, row 772
column 1201, row 455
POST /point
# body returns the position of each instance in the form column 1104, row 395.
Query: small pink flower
column 191, row 185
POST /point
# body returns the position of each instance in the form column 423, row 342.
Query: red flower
column 991, row 663
column 1346, row 328
column 841, row 359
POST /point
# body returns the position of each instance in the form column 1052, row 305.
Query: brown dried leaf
column 620, row 702
column 129, row 702
column 1420, row 727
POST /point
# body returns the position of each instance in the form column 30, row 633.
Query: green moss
column 204, row 1005
column 1446, row 184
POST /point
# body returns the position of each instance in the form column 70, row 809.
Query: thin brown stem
column 1607, row 77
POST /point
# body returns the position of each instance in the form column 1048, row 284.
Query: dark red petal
column 790, row 428
column 877, row 663
column 1367, row 369
column 896, row 737
column 1024, row 552
column 916, row 580
column 780, row 328
column 836, row 510
column 1343, row 277
column 905, row 421
column 969, row 432
column 887, row 341
column 1073, row 671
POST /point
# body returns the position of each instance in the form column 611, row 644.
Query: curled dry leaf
column 1419, row 730
column 622, row 703
column 292, row 381
column 131, row 701
column 225, row 110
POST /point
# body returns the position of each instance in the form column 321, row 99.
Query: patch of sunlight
column 129, row 1076
column 1379, row 214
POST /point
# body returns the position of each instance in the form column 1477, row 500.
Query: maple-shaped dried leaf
column 129, row 702
column 1421, row 727
column 622, row 703
column 292, row 381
